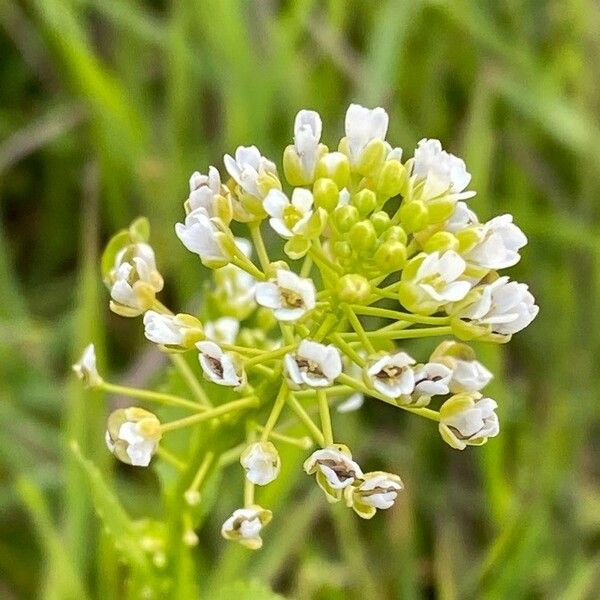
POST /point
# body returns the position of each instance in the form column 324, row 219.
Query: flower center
column 389, row 373
column 308, row 366
column 292, row 299
column 340, row 469
column 215, row 365
column 291, row 215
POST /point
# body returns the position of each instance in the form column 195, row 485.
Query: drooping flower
column 223, row 330
column 222, row 368
column 335, row 470
column 313, row 364
column 86, row 369
column 363, row 126
column 499, row 245
column 249, row 169
column 261, row 462
column 392, row 375
column 468, row 374
column 377, row 490
column 172, row 331
column 503, row 306
column 430, row 281
column 431, row 379
column 134, row 280
column 442, row 172
column 468, row 420
column 245, row 526
column 132, row 435
column 289, row 295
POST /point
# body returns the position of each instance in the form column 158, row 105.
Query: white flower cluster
column 388, row 249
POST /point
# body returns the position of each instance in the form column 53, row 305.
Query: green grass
column 107, row 106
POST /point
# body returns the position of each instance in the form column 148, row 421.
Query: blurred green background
column 107, row 106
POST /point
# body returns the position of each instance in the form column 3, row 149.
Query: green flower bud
column 390, row 256
column 395, row 232
column 441, row 241
column 297, row 247
column 440, row 210
column 372, row 158
column 414, row 216
column 326, row 194
column 381, row 221
column 392, row 178
column 363, row 236
column 353, row 288
column 292, row 167
column 336, row 166
column 342, row 249
column 365, row 201
column 345, row 217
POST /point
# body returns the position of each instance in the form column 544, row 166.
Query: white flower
column 171, row 330
column 378, row 490
column 245, row 526
column 468, row 374
column 133, row 435
column 499, row 246
column 505, row 306
column 289, row 296
column 203, row 189
column 432, row 379
column 289, row 218
column 223, row 330
column 86, row 369
column 461, row 218
column 335, row 470
column 392, row 375
column 261, row 462
column 220, row 367
column 134, row 280
column 430, row 281
column 198, row 235
column 364, row 125
column 307, row 135
column 247, row 167
column 352, row 403
column 467, row 420
column 443, row 172
column 313, row 364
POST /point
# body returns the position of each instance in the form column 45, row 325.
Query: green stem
column 248, row 493
column 150, row 396
column 358, row 328
column 249, row 402
column 247, row 265
column 337, row 339
column 384, row 313
column 325, row 417
column 275, row 412
column 306, row 266
column 241, row 349
column 273, row 354
column 334, row 390
column 190, row 379
column 259, row 244
column 192, row 492
column 304, row 442
column 407, row 334
column 171, row 459
column 304, row 417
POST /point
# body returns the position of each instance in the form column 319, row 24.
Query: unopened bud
column 353, row 288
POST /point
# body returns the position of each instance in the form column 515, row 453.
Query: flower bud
column 245, row 524
column 173, row 332
column 392, row 178
column 345, row 217
column 381, row 221
column 362, row 236
column 440, row 242
column 86, row 370
column 365, row 201
column 396, row 233
column 414, row 216
column 440, row 210
column 371, row 158
column 292, row 167
column 297, row 247
column 353, row 288
column 342, row 249
column 133, row 435
column 326, row 194
column 390, row 256
column 261, row 462
column 336, row 166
